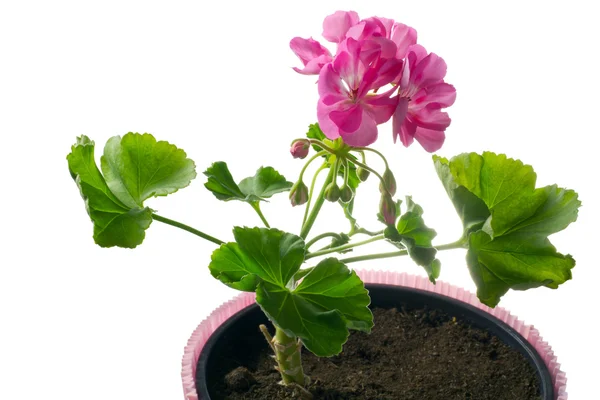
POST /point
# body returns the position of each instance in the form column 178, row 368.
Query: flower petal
column 365, row 135
column 381, row 107
column 330, row 84
column 441, row 94
column 399, row 117
column 348, row 120
column 336, row 25
column 312, row 54
column 431, row 117
column 428, row 71
column 430, row 139
column 403, row 36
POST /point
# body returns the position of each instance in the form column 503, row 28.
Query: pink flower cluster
column 378, row 72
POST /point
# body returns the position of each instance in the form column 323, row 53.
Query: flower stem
column 288, row 357
column 312, row 191
column 360, row 149
column 317, row 207
column 186, row 228
column 322, row 236
column 365, row 166
column 343, row 247
column 256, row 206
column 459, row 244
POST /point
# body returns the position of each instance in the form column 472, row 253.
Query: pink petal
column 431, row 117
column 336, row 25
column 381, row 107
column 441, row 94
column 388, row 71
column 330, row 84
column 428, row 71
column 365, row 135
column 312, row 54
column 399, row 117
column 347, row 120
column 431, row 140
column 407, row 132
column 403, row 36
column 328, row 127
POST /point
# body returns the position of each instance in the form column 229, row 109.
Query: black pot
column 241, row 332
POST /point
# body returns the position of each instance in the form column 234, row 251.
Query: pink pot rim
column 226, row 310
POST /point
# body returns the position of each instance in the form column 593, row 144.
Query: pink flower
column 346, row 108
column 421, row 97
column 312, row 54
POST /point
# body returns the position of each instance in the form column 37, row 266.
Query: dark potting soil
column 410, row 355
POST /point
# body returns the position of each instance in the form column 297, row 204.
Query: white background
column 215, row 78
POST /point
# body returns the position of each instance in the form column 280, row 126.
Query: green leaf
column 264, row 184
column 330, row 300
column 259, row 254
column 471, row 209
column 221, row 183
column 332, row 286
column 509, row 249
column 137, row 167
column 322, row 332
column 117, row 220
column 412, row 233
column 515, row 261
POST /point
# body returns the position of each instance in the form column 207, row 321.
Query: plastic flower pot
column 230, row 325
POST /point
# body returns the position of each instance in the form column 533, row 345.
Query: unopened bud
column 346, row 194
column 389, row 181
column 362, row 173
column 298, row 194
column 387, row 208
column 300, row 148
column 332, row 192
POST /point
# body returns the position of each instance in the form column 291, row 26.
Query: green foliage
column 412, row 234
column 134, row 168
column 329, row 300
column 507, row 222
column 264, row 184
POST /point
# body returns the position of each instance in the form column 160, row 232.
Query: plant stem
column 344, row 247
column 317, row 207
column 360, row 149
column 312, row 191
column 256, row 206
column 459, row 244
column 365, row 166
column 288, row 357
column 321, row 236
column 187, row 228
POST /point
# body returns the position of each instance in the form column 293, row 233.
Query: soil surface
column 414, row 355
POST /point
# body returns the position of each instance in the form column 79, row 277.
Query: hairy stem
column 343, row 247
column 312, row 191
column 459, row 244
column 187, row 228
column 288, row 357
column 322, row 236
column 306, row 227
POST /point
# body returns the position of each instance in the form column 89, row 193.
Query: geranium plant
column 377, row 73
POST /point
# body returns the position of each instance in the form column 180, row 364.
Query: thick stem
column 288, row 357
column 317, row 207
column 322, row 236
column 186, row 228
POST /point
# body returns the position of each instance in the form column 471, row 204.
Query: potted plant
column 378, row 73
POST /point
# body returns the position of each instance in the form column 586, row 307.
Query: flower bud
column 362, row 173
column 298, row 194
column 346, row 193
column 387, row 209
column 389, row 181
column 332, row 192
column 300, row 148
